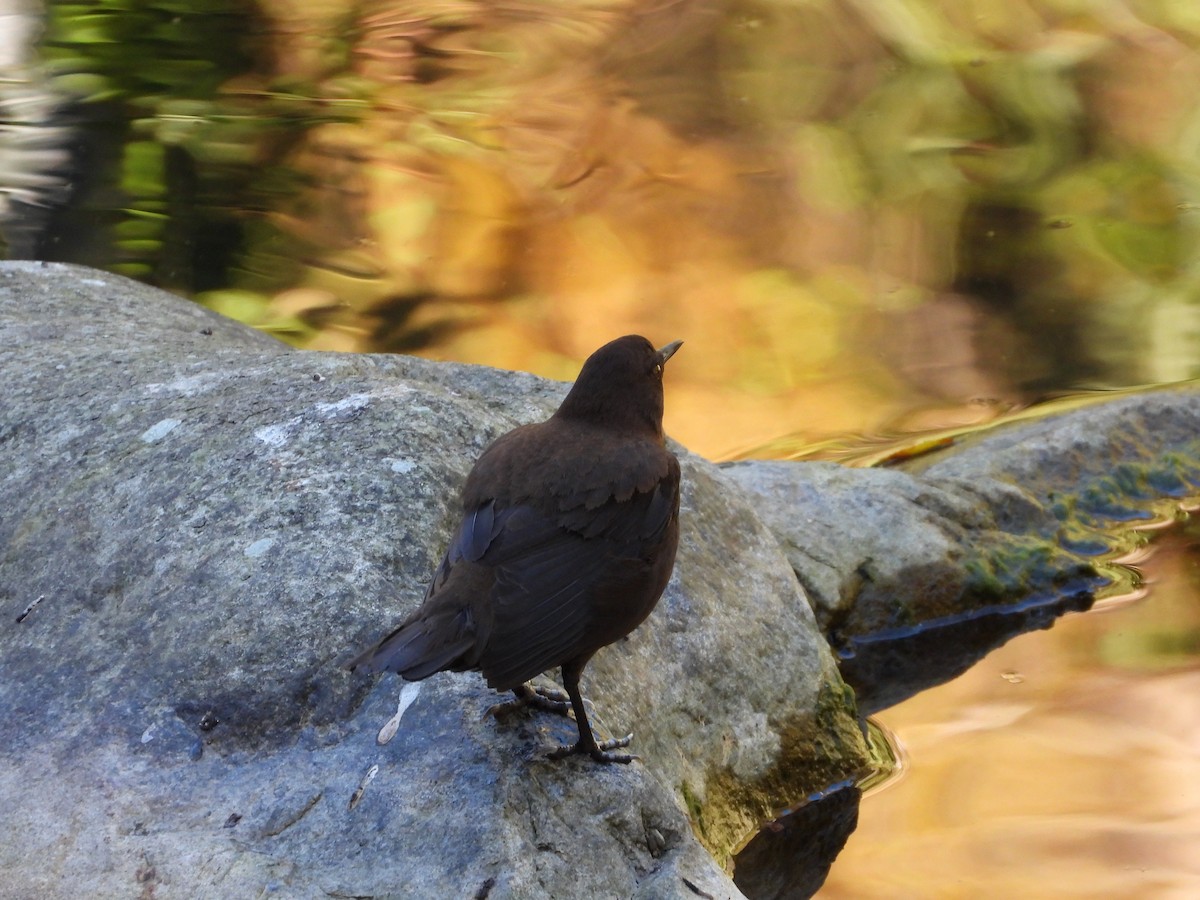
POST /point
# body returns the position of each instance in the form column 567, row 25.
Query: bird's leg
column 587, row 740
column 549, row 699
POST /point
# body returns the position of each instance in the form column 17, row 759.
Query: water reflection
column 1072, row 778
column 887, row 669
column 854, row 210
column 791, row 857
column 1059, row 760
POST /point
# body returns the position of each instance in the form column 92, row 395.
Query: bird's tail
column 418, row 648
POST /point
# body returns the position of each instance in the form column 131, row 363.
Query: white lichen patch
column 400, row 466
column 187, row 386
column 279, row 434
column 756, row 747
column 65, row 435
column 353, row 403
column 259, row 547
column 160, row 430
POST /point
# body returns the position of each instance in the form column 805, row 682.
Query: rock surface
column 915, row 574
column 207, row 525
column 199, row 526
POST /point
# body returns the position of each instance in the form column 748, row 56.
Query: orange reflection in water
column 1066, row 764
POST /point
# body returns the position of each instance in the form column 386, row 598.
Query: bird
column 567, row 541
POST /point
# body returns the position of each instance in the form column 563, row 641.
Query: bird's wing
column 443, row 632
column 546, row 569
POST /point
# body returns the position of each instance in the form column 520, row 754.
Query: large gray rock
column 207, row 525
column 199, row 526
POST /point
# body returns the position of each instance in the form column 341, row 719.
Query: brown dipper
column 567, row 541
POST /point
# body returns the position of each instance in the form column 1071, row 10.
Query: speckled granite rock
column 207, row 524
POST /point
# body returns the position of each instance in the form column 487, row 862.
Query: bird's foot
column 549, row 699
column 599, row 751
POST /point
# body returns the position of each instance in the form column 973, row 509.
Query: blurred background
column 862, row 215
column 866, row 218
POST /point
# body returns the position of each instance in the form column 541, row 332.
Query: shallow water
column 1064, row 764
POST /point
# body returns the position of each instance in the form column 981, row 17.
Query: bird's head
column 620, row 386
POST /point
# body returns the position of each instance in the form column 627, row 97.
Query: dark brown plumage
column 567, row 541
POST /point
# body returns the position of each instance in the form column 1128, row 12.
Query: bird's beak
column 668, row 351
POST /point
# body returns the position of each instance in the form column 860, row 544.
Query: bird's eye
column 658, row 368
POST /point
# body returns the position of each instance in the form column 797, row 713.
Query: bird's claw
column 548, row 699
column 598, row 751
column 616, row 743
